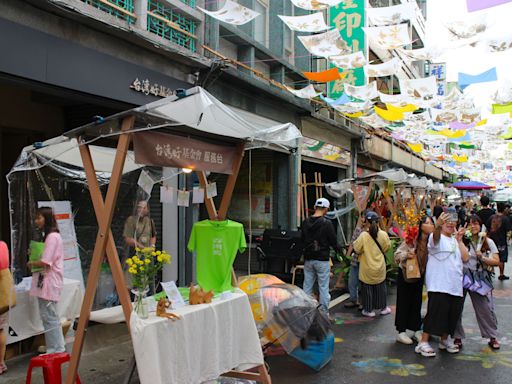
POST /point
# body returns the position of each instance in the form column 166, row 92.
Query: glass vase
column 140, row 305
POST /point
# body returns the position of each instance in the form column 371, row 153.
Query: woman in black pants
column 410, row 292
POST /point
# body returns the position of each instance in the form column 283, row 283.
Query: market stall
column 191, row 132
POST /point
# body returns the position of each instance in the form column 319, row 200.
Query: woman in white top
column 482, row 254
column 443, row 278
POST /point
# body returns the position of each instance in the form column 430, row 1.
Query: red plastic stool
column 51, row 365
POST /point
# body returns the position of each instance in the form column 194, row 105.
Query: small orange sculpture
column 161, row 310
column 199, row 296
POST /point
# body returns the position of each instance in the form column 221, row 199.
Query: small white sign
column 197, row 195
column 211, row 190
column 183, row 198
column 173, row 294
column 167, row 194
column 145, row 182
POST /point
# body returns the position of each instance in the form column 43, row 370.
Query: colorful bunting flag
column 397, row 14
column 389, row 115
column 308, row 92
column 416, row 148
column 351, row 61
column 476, row 5
column 389, row 68
column 402, row 109
column 325, row 76
column 501, row 108
column 390, row 37
column 325, row 44
column 484, row 77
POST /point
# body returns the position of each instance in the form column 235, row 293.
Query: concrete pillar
column 276, row 27
column 277, row 72
column 140, row 8
column 248, row 27
column 211, row 27
column 294, row 166
column 246, row 55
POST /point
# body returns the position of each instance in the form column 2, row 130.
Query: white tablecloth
column 209, row 340
column 24, row 319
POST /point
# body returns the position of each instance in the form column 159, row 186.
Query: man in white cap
column 318, row 237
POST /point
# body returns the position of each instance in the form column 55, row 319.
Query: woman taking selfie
column 483, row 254
column 409, row 292
column 443, row 278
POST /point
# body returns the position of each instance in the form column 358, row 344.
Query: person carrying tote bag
column 7, row 300
column 410, row 290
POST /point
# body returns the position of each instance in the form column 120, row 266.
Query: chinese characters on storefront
column 145, row 87
column 349, row 18
column 165, row 150
column 439, row 71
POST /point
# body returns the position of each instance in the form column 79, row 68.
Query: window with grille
column 165, row 22
column 122, row 9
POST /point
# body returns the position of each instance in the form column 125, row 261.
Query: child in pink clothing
column 47, row 284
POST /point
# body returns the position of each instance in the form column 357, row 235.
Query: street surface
column 365, row 352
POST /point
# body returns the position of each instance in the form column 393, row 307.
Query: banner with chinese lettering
column 439, row 71
column 349, row 19
column 165, row 150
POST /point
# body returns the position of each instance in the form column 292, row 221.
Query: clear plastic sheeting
column 339, row 189
column 38, row 180
column 284, row 314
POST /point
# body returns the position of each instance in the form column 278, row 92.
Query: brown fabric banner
column 165, row 150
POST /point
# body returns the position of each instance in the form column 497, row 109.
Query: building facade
column 69, row 61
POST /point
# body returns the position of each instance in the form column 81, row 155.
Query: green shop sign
column 348, row 17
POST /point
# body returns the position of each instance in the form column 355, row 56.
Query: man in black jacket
column 318, row 237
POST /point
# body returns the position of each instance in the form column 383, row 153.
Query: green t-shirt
column 216, row 244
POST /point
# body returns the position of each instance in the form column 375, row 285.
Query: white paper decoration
column 307, row 23
column 305, row 93
column 325, row 44
column 391, row 15
column 389, row 68
column 232, row 13
column 390, row 37
column 351, row 61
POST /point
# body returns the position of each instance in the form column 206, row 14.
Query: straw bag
column 7, row 291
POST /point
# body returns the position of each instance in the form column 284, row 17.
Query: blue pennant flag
column 484, row 77
column 343, row 99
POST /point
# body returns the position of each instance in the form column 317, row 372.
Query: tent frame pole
column 103, row 238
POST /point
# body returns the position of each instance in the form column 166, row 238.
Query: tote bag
column 7, row 291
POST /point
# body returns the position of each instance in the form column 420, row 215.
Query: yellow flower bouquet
column 144, row 267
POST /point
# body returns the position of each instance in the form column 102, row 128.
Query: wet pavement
column 365, row 352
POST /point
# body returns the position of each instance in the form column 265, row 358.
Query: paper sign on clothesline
column 145, row 182
column 211, row 190
column 183, row 198
column 167, row 194
column 197, row 195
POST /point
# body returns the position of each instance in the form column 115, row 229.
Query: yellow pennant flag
column 501, row 108
column 389, row 115
column 481, row 122
column 416, row 148
column 460, row 159
column 404, row 109
column 453, row 134
column 353, row 115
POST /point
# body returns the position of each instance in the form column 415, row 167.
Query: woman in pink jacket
column 47, row 284
column 4, row 263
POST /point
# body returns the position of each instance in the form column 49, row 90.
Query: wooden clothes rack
column 303, row 192
column 104, row 210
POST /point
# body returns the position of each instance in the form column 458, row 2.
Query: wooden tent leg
column 112, row 255
column 230, row 185
column 208, row 201
column 100, row 246
column 262, row 376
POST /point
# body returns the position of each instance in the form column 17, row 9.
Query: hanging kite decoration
column 232, row 13
column 389, row 68
column 307, row 23
column 325, row 44
column 362, row 92
column 396, row 14
column 389, row 37
column 308, row 92
column 351, row 61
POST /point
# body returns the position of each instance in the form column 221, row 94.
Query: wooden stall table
column 208, row 341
